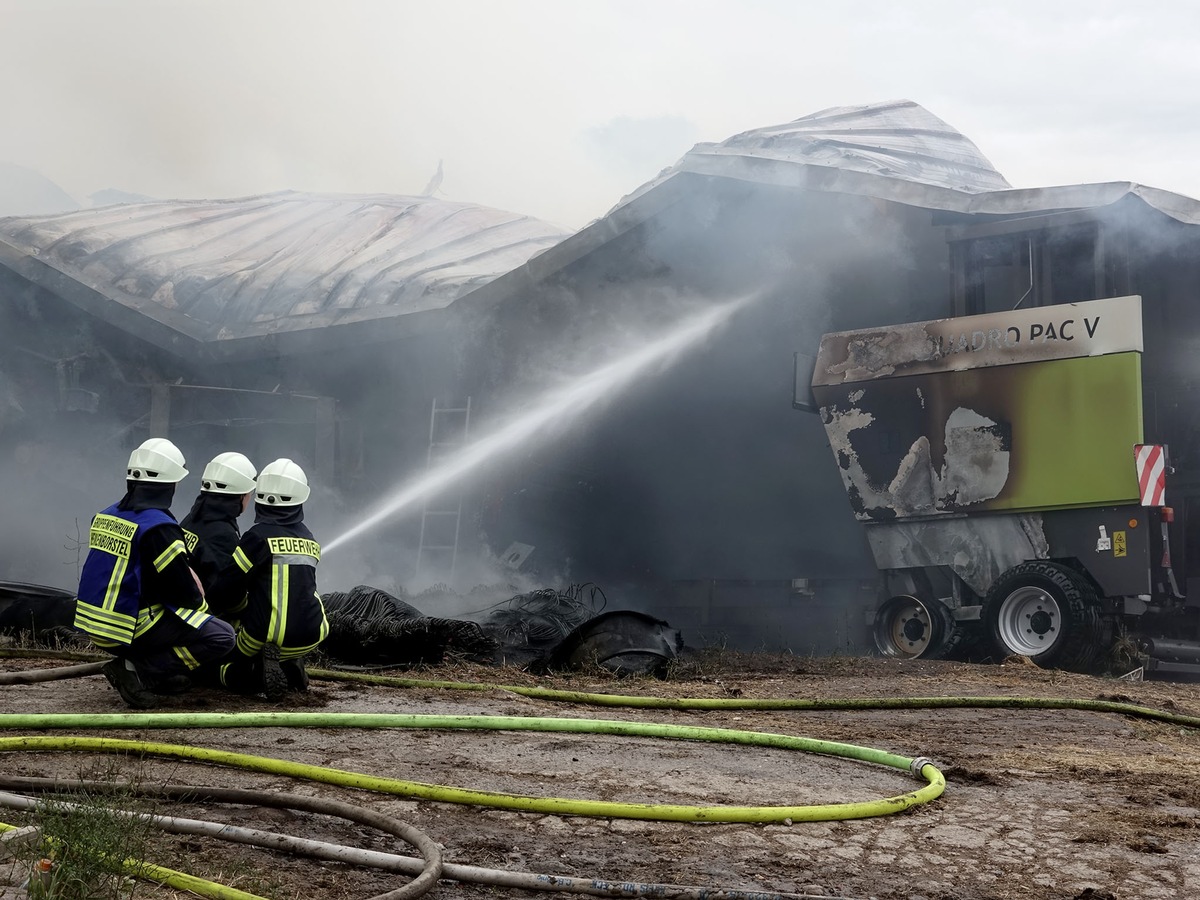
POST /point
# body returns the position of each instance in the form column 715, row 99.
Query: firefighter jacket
column 136, row 570
column 271, row 588
column 210, row 530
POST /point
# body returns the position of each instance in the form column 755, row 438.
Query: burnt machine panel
column 1027, row 410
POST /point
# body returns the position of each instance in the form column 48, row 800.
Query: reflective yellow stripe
column 104, row 623
column 293, row 651
column 114, row 584
column 165, row 558
column 147, row 618
column 247, row 645
column 242, row 560
column 279, row 604
column 185, row 656
column 193, row 617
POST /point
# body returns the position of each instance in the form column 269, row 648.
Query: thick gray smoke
column 699, row 472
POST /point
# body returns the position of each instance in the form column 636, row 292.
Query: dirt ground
column 1054, row 804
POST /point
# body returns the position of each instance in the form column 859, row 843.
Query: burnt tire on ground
column 1047, row 612
column 961, row 641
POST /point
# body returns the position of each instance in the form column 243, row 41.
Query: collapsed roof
column 185, row 273
column 898, row 141
column 896, row 151
column 277, row 272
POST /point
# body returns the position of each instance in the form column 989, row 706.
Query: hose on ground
column 33, row 676
column 779, row 704
column 46, row 653
column 430, row 866
column 329, row 852
column 926, row 771
column 584, row 698
column 786, row 704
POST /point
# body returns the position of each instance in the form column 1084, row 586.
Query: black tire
column 907, row 627
column 1047, row 612
column 960, row 640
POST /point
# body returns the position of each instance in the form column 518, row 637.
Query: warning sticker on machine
column 1119, row 548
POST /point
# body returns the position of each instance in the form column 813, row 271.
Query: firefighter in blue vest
column 211, row 526
column 138, row 597
column 271, row 590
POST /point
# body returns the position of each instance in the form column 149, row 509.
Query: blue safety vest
column 109, row 607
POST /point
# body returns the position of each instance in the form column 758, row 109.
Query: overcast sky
column 557, row 108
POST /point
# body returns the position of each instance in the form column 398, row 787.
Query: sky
column 558, row 108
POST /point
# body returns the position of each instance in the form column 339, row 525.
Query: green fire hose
column 920, row 767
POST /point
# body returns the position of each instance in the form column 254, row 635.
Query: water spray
column 560, row 406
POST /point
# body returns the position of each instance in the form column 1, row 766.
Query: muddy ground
column 1054, row 804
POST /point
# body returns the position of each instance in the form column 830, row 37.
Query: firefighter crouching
column 138, row 598
column 211, row 526
column 271, row 590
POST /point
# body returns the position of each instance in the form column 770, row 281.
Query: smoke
column 638, row 149
column 544, row 413
column 53, row 480
column 700, row 470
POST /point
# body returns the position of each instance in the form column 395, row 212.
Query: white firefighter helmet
column 156, row 460
column 229, row 473
column 282, row 483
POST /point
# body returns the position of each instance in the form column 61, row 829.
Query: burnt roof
column 291, row 271
column 190, row 273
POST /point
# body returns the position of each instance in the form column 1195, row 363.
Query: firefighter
column 271, row 589
column 211, row 527
column 138, row 597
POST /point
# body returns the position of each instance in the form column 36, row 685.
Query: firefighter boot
column 124, row 677
column 296, row 675
column 274, row 681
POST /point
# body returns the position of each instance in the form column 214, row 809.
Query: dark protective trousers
column 241, row 670
column 171, row 647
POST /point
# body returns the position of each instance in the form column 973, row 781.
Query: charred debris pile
column 544, row 630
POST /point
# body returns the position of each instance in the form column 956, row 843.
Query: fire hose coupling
column 918, row 764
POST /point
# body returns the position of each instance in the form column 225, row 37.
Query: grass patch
column 95, row 840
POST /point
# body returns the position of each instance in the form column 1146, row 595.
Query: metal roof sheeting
column 223, row 274
column 220, row 269
column 898, row 151
column 898, row 139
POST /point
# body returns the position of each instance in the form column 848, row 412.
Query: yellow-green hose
column 780, row 704
column 548, row 805
column 172, row 878
column 190, row 883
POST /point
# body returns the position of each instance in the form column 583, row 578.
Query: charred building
column 698, row 492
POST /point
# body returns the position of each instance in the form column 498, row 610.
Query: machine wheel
column 1045, row 611
column 909, row 628
column 961, row 639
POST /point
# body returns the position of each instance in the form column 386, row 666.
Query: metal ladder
column 449, row 427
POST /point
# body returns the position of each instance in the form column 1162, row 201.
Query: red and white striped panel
column 1152, row 473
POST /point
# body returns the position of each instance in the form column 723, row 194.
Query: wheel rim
column 1030, row 621
column 903, row 628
